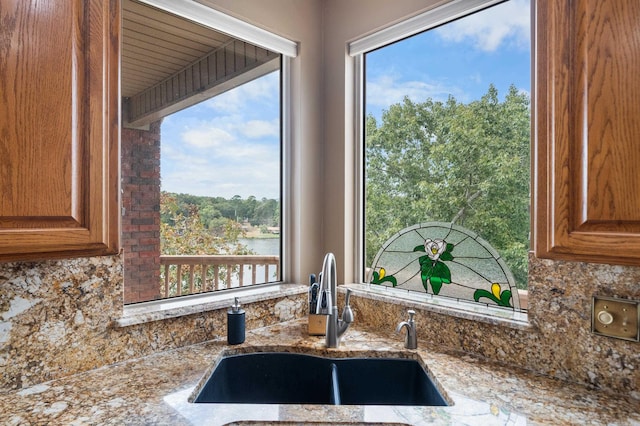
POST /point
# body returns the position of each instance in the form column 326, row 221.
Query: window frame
column 356, row 50
column 214, row 19
column 288, row 49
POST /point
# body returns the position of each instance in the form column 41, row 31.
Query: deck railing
column 182, row 275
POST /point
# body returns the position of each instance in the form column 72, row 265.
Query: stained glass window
column 445, row 125
column 445, row 260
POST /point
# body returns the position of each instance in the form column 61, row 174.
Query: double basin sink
column 289, row 378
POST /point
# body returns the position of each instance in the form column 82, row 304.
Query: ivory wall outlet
column 615, row 317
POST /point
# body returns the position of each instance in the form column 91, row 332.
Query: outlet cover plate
column 614, row 317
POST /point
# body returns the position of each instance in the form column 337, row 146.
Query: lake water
column 264, row 246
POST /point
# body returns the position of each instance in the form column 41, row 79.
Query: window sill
column 157, row 310
column 426, row 302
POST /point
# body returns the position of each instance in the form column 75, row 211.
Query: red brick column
column 141, row 219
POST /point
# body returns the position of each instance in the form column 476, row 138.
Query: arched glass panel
column 445, row 260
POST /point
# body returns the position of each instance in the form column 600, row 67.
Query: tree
column 267, row 213
column 186, row 234
column 209, row 215
column 182, row 233
column 214, row 211
column 452, row 162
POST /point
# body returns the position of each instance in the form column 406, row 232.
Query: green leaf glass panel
column 445, row 260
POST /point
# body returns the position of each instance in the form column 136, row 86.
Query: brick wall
column 141, row 220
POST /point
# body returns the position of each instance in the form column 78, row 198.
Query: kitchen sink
column 287, row 378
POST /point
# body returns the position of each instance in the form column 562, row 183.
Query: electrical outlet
column 613, row 317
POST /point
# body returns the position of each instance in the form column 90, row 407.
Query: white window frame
column 224, row 23
column 288, row 49
column 357, row 49
column 216, row 20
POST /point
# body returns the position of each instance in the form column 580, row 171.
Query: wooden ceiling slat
column 186, row 30
column 145, row 72
column 135, row 84
column 156, row 45
column 136, row 10
column 161, row 37
column 167, row 46
column 157, row 52
column 132, row 52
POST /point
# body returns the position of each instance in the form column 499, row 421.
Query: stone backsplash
column 57, row 318
column 558, row 341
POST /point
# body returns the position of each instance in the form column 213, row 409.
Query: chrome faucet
column 328, row 295
column 411, row 340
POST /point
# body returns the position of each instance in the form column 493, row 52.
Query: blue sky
column 461, row 59
column 229, row 145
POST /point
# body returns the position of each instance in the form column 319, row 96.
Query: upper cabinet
column 59, row 133
column 587, row 130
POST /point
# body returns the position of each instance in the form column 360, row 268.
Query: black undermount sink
column 286, row 378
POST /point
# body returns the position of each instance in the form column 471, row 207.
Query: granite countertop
column 155, row 390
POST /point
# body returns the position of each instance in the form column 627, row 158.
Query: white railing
column 184, row 274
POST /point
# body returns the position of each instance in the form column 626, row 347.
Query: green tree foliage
column 452, row 162
column 214, row 212
column 182, row 231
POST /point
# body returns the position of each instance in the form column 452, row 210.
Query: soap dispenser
column 235, row 324
column 411, row 341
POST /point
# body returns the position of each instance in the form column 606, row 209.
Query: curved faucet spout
column 330, row 273
column 329, row 283
column 403, row 324
column 411, row 339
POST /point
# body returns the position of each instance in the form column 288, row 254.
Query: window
column 204, row 139
column 446, row 144
column 220, row 191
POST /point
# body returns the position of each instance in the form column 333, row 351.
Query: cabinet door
column 59, row 107
column 587, row 130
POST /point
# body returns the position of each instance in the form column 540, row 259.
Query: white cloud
column 247, row 170
column 387, row 90
column 230, row 147
column 208, row 137
column 475, row 77
column 239, row 98
column 489, row 29
column 224, row 130
column 260, row 128
column 223, row 156
column 173, row 155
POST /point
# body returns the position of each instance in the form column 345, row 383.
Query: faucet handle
column 411, row 313
column 347, row 313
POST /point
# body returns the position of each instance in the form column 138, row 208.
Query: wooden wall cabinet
column 587, row 131
column 59, row 130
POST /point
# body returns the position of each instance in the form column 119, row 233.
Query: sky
column 225, row 146
column 460, row 59
column 229, row 145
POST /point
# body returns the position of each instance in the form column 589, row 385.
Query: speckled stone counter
column 155, row 390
